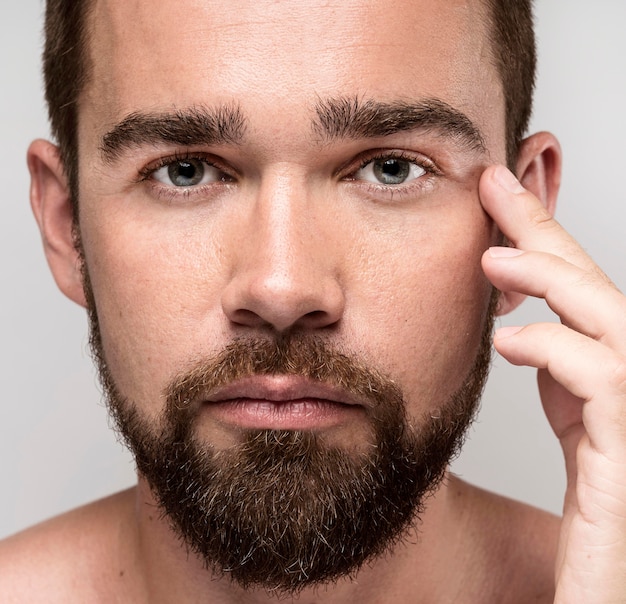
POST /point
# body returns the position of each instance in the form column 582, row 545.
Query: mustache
column 297, row 354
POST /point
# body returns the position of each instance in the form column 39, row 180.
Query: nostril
column 308, row 302
column 243, row 316
column 316, row 317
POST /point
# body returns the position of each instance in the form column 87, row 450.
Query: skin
column 297, row 240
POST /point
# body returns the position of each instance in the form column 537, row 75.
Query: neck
column 170, row 572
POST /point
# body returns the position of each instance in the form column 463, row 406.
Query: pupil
column 186, row 173
column 392, row 171
column 186, row 170
column 391, row 167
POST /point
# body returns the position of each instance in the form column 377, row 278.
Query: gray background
column 56, row 449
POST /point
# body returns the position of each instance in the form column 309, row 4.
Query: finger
column 564, row 413
column 587, row 369
column 524, row 220
column 583, row 300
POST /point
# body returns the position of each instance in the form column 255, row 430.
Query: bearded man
column 287, row 222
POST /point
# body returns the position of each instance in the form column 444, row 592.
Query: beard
column 283, row 509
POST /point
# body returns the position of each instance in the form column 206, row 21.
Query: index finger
column 525, row 220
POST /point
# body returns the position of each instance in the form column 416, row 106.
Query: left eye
column 188, row 173
column 390, row 171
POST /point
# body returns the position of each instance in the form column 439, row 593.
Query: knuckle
column 591, row 280
column 540, row 218
column 617, row 375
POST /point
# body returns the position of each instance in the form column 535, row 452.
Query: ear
column 538, row 168
column 51, row 204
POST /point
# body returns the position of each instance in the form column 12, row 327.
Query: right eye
column 189, row 172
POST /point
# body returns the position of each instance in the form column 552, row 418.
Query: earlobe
column 538, row 168
column 508, row 302
column 51, row 205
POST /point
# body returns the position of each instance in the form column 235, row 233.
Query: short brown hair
column 515, row 55
column 66, row 68
column 66, row 65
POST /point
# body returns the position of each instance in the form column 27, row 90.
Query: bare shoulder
column 515, row 542
column 69, row 558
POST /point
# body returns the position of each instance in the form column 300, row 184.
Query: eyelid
column 147, row 171
column 363, row 159
column 391, row 193
column 172, row 194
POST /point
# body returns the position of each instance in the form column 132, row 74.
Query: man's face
column 284, row 170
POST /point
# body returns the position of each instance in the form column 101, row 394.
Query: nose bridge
column 285, row 228
column 287, row 270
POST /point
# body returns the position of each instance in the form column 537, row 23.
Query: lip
column 283, row 388
column 287, row 402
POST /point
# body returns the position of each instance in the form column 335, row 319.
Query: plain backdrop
column 57, row 450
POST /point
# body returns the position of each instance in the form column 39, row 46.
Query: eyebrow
column 225, row 124
column 354, row 118
column 336, row 118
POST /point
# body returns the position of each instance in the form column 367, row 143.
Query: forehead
column 273, row 56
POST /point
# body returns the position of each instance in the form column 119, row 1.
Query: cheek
column 415, row 293
column 155, row 288
column 426, row 313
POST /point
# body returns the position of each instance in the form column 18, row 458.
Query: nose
column 286, row 271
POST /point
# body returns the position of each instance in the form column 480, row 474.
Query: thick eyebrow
column 194, row 126
column 354, row 118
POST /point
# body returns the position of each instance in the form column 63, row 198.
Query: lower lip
column 300, row 414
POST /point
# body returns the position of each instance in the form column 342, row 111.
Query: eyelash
column 172, row 193
column 428, row 165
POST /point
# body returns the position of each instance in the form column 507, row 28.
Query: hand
column 582, row 381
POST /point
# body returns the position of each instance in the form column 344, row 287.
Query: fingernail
column 506, row 332
column 504, row 252
column 507, row 180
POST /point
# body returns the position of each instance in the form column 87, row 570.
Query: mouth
column 282, row 402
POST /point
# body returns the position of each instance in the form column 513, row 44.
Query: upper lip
column 282, row 389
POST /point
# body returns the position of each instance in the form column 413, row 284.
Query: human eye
column 392, row 173
column 187, row 172
column 391, row 170
column 186, row 177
